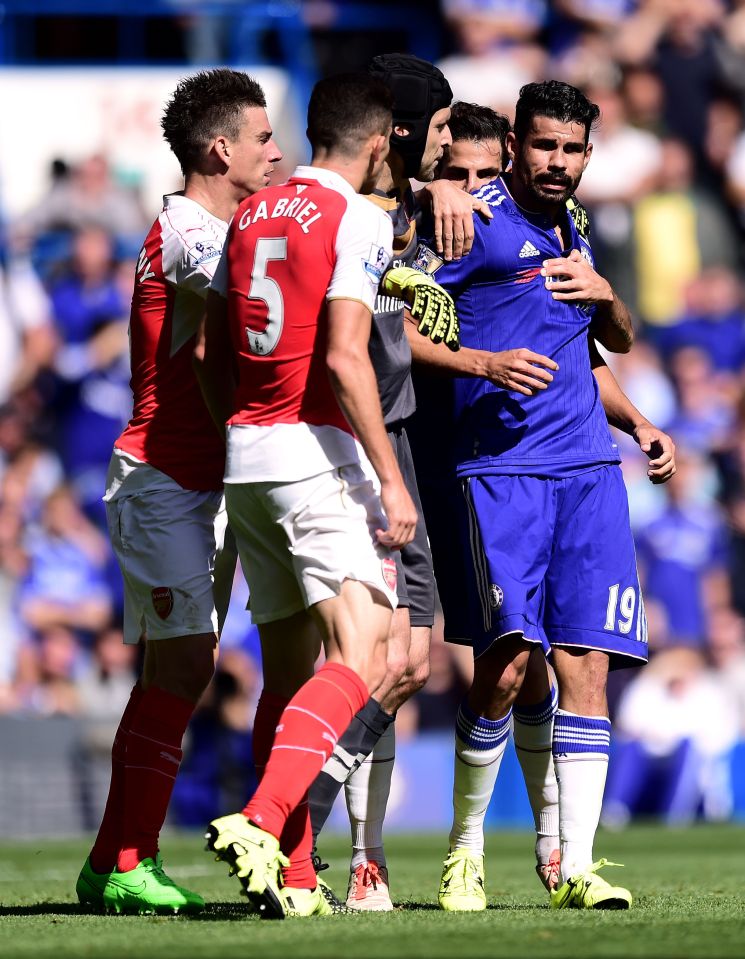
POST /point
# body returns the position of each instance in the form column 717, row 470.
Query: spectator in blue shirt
column 683, row 555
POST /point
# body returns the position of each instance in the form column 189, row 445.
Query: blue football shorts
column 554, row 559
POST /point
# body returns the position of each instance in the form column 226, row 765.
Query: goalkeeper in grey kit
column 363, row 758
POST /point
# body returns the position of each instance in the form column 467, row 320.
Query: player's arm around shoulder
column 575, row 279
column 430, row 304
column 621, row 413
column 452, row 211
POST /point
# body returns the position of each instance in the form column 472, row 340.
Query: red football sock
column 307, row 733
column 296, row 840
column 153, row 759
column 108, row 841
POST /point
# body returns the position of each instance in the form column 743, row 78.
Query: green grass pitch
column 688, row 888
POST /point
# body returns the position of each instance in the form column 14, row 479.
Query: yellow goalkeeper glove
column 430, row 306
column 580, row 216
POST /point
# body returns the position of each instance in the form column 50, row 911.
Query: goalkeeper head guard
column 419, row 90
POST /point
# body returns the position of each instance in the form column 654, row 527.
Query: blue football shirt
column 503, row 304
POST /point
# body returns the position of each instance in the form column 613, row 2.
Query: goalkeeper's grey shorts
column 416, row 580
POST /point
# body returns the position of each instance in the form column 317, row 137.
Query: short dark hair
column 557, row 100
column 204, row 106
column 346, row 109
column 471, row 121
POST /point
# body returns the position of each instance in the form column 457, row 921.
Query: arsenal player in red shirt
column 164, row 496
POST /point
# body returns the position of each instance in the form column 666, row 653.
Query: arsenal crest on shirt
column 162, row 601
column 389, row 572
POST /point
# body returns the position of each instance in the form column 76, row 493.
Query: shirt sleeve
column 363, row 248
column 190, row 260
column 201, row 255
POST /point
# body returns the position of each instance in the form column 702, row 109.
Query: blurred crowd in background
column 665, row 189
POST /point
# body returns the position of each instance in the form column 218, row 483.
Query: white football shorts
column 298, row 542
column 177, row 559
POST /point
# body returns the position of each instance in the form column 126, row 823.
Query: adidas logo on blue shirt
column 529, row 250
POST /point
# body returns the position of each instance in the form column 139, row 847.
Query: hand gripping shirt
column 291, row 249
column 503, row 304
column 170, row 428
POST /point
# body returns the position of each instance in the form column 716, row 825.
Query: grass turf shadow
column 213, row 912
column 43, row 909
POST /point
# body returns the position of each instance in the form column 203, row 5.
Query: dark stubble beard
column 548, row 197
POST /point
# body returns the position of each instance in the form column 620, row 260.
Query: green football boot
column 587, row 890
column 90, row 886
column 147, row 889
column 462, row 883
column 254, row 856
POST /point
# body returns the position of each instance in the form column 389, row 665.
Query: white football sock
column 533, row 728
column 367, row 791
column 581, row 745
column 479, row 746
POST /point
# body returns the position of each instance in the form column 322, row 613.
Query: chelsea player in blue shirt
column 553, row 559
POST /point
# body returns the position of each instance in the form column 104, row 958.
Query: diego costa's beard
column 537, row 185
column 552, row 196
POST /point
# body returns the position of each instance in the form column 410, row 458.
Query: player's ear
column 509, row 146
column 379, row 146
column 588, row 154
column 222, row 148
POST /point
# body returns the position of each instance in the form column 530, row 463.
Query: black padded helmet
column 419, row 90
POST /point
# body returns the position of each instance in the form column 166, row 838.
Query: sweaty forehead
column 562, row 130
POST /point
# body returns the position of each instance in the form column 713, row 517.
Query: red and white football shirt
column 171, row 428
column 290, row 249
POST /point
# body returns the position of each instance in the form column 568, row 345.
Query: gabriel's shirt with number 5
column 290, row 250
column 503, row 304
